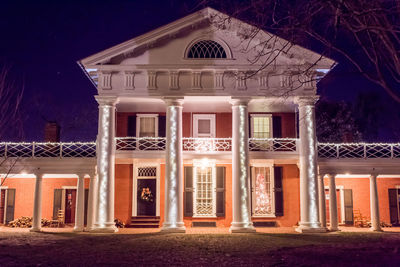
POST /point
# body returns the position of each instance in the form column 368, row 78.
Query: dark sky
column 42, row 40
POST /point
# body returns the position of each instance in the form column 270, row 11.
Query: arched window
column 206, row 49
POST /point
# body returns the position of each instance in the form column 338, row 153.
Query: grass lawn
column 68, row 249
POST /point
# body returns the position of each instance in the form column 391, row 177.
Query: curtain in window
column 147, row 127
column 261, row 127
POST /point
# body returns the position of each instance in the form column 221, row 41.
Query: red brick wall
column 123, row 192
column 361, row 194
column 25, row 190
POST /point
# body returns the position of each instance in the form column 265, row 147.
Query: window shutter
column 188, row 192
column 277, row 126
column 131, row 126
column 86, row 206
column 57, row 203
column 394, row 216
column 10, row 205
column 220, row 189
column 161, row 126
column 348, row 206
column 278, row 190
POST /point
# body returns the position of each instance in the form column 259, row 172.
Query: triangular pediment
column 204, row 21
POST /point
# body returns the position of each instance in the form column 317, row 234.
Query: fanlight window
column 206, row 49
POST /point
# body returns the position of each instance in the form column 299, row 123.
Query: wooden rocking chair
column 359, row 219
column 59, row 222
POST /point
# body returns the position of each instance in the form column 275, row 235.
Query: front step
column 144, row 222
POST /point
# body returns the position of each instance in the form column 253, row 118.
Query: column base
column 107, row 228
column 177, row 228
column 376, row 230
column 311, row 228
column 78, row 229
column 35, row 229
column 242, row 228
column 335, row 229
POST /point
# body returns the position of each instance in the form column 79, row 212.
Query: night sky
column 41, row 42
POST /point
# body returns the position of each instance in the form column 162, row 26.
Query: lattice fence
column 140, row 143
column 272, row 144
column 202, row 145
column 358, row 150
column 49, row 150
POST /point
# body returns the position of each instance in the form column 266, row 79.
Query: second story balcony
column 206, row 145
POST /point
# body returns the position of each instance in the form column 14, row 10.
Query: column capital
column 240, row 101
column 173, row 101
column 106, row 100
column 306, row 100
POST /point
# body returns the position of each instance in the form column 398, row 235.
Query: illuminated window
column 261, row 126
column 262, row 192
column 147, row 125
column 204, row 190
column 206, row 49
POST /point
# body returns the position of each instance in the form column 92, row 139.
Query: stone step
column 143, row 225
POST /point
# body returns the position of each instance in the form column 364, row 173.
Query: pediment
column 202, row 24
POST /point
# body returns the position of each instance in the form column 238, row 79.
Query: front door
column 70, row 204
column 146, row 197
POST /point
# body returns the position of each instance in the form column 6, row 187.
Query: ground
column 204, row 247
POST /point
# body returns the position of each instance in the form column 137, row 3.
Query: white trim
column 138, row 116
column 271, row 132
column 353, row 176
column 210, row 117
column 136, row 165
column 47, row 176
column 397, row 186
column 3, row 187
column 69, row 187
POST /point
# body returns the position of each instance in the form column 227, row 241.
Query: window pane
column 147, row 127
column 204, row 192
column 263, row 191
column 261, row 127
column 204, row 126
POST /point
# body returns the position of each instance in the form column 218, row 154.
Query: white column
column 80, row 204
column 322, row 201
column 105, row 162
column 37, row 205
column 173, row 221
column 240, row 168
column 333, row 212
column 91, row 216
column 309, row 213
column 375, row 220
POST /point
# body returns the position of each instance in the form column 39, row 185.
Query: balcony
column 206, row 145
column 359, row 151
column 48, row 150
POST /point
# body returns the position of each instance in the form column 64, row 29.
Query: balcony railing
column 205, row 145
column 358, row 151
column 46, row 150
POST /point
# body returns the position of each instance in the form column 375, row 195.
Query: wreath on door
column 146, row 195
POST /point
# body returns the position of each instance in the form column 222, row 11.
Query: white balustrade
column 359, row 150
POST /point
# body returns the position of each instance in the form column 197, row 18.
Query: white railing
column 202, row 145
column 140, row 143
column 359, row 150
column 273, row 144
column 49, row 150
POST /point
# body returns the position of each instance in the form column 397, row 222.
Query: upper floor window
column 206, row 49
column 147, row 125
column 261, row 126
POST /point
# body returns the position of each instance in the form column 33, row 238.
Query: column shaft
column 37, row 205
column 322, row 201
column 91, row 216
column 375, row 219
column 173, row 221
column 240, row 169
column 80, row 204
column 309, row 213
column 333, row 211
column 105, row 162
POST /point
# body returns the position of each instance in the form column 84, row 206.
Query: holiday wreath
column 146, row 195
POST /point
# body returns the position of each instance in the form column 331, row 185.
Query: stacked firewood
column 26, row 222
column 119, row 223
